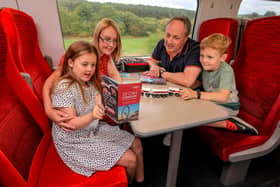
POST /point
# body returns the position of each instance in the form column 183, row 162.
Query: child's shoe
column 140, row 184
column 238, row 125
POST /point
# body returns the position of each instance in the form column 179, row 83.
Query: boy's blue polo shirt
column 188, row 57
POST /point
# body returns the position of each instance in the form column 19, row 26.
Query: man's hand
column 154, row 71
column 154, row 68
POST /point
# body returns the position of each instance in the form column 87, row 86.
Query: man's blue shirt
column 189, row 56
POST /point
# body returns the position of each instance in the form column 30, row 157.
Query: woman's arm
column 113, row 72
column 58, row 116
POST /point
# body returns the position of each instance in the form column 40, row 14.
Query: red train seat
column 22, row 35
column 27, row 153
column 257, row 74
column 227, row 26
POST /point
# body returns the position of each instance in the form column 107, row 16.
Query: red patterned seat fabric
column 227, row 26
column 27, row 154
column 22, row 36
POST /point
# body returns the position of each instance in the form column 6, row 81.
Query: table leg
column 174, row 157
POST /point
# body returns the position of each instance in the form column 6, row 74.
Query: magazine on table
column 152, row 79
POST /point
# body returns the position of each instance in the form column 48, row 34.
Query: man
column 178, row 53
column 179, row 56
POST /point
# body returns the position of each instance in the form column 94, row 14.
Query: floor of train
column 198, row 167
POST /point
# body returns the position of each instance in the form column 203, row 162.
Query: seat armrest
column 49, row 61
column 28, row 79
column 260, row 150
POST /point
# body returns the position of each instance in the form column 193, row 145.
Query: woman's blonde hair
column 103, row 24
column 216, row 41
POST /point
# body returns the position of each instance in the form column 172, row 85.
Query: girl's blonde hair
column 74, row 51
column 216, row 41
column 103, row 24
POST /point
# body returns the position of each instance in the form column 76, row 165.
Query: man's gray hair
column 185, row 20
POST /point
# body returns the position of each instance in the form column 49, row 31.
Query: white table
column 172, row 114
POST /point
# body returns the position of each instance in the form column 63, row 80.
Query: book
column 152, row 79
column 130, row 75
column 121, row 99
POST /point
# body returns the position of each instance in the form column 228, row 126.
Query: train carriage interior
column 32, row 34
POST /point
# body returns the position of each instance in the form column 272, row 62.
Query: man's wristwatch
column 161, row 71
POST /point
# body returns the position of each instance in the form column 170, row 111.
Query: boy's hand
column 188, row 94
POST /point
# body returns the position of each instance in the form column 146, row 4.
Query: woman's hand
column 61, row 118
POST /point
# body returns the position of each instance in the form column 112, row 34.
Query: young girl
column 107, row 40
column 91, row 145
column 219, row 83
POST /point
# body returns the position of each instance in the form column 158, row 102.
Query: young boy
column 219, row 83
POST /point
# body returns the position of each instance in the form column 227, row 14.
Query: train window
column 251, row 9
column 142, row 22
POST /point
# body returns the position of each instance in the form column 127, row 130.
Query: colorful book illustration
column 121, row 99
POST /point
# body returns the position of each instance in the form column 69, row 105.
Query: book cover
column 121, row 99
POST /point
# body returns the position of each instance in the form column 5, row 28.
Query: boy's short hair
column 216, row 41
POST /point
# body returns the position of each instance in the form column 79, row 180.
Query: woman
column 107, row 40
column 92, row 145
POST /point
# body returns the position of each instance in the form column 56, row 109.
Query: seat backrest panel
column 19, row 134
column 25, row 133
column 257, row 70
column 20, row 137
column 30, row 58
column 227, row 26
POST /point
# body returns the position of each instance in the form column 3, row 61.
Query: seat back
column 256, row 69
column 257, row 74
column 19, row 133
column 227, row 26
column 22, row 36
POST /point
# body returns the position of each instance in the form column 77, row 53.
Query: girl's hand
column 98, row 99
column 99, row 110
column 188, row 94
